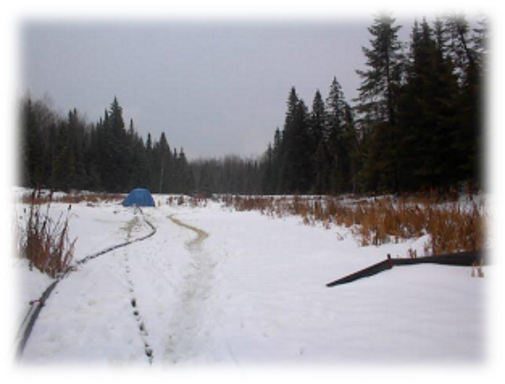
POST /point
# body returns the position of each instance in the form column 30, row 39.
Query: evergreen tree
column 105, row 142
column 163, row 164
column 317, row 128
column 76, row 140
column 63, row 168
column 187, row 182
column 350, row 138
column 480, row 43
column 150, row 161
column 378, row 99
column 268, row 179
column 137, row 160
column 468, row 138
column 295, row 168
column 338, row 140
column 417, row 125
column 426, row 113
column 463, row 54
column 277, row 156
column 118, row 148
column 322, row 162
column 32, row 146
column 318, row 142
column 91, row 156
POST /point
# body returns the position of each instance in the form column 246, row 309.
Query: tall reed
column 44, row 241
column 450, row 226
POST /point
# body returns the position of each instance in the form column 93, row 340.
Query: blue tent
column 139, row 197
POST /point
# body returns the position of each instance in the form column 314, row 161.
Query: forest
column 416, row 126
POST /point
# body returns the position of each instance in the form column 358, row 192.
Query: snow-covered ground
column 215, row 286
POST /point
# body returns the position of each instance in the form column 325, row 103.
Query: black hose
column 456, row 259
column 37, row 305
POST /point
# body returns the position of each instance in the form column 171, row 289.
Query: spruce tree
column 286, row 169
column 467, row 140
column 163, row 164
column 427, row 111
column 32, row 150
column 268, row 178
column 150, row 161
column 77, row 136
column 339, row 140
column 187, row 182
column 296, row 161
column 91, row 160
column 118, row 148
column 322, row 163
column 318, row 143
column 378, row 100
column 277, row 156
column 63, row 167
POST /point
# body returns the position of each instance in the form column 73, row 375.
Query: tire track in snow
column 186, row 336
column 194, row 244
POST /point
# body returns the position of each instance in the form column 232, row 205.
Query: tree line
column 416, row 125
column 69, row 153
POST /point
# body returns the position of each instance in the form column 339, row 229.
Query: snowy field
column 215, row 287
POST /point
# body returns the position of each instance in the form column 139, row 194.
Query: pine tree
column 286, row 172
column 378, row 100
column 32, row 150
column 350, row 137
column 480, row 43
column 76, row 136
column 457, row 29
column 340, row 131
column 277, row 156
column 150, row 161
column 466, row 138
column 137, row 160
column 63, row 167
column 317, row 128
column 163, row 164
column 295, row 168
column 105, row 161
column 187, row 182
column 322, row 164
column 427, row 113
column 318, row 143
column 268, row 179
column 91, row 159
column 118, row 148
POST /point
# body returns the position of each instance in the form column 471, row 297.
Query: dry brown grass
column 71, row 198
column 454, row 228
column 44, row 241
column 451, row 227
column 192, row 201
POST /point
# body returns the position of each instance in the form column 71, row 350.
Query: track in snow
column 37, row 305
column 186, row 338
column 136, row 312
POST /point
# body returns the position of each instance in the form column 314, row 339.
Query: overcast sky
column 213, row 88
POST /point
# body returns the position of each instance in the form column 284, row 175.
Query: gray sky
column 214, row 88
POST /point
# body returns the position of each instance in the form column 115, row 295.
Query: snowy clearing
column 215, row 286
